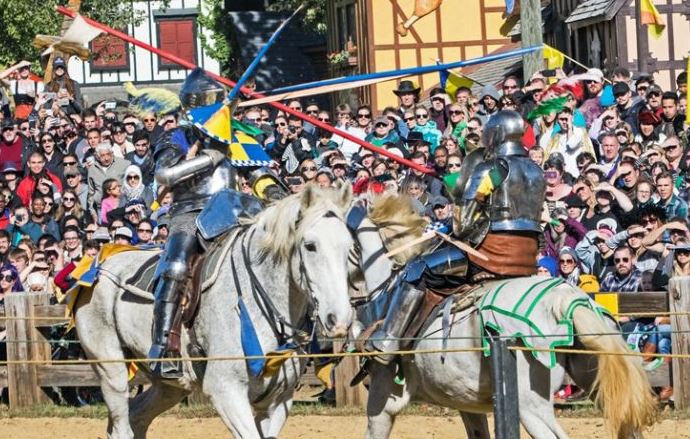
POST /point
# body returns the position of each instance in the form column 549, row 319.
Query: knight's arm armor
column 172, row 175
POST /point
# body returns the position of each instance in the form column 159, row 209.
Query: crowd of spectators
column 615, row 159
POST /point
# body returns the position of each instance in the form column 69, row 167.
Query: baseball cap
column 381, row 119
column 620, row 88
column 123, row 231
column 59, row 61
column 101, row 234
column 439, row 201
column 595, row 74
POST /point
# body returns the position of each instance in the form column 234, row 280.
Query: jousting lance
column 187, row 65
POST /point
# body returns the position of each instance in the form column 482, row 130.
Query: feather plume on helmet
column 147, row 100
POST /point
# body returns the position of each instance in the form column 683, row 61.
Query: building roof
column 494, row 72
column 285, row 62
column 592, row 11
column 546, row 21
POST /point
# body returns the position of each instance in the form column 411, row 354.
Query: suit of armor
column 193, row 182
column 499, row 193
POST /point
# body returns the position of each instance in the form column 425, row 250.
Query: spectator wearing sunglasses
column 383, row 133
column 626, row 277
column 439, row 108
column 427, row 127
column 364, row 118
column 133, row 188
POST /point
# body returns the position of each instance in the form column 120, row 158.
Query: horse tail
column 621, row 387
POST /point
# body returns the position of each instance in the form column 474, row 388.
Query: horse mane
column 398, row 223
column 285, row 221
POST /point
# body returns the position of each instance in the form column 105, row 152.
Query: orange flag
column 649, row 15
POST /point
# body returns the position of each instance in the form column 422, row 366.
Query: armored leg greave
column 173, row 269
column 406, row 302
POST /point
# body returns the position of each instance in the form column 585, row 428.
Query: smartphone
column 294, row 181
column 549, row 73
column 63, row 102
column 19, row 218
column 50, row 95
column 110, row 105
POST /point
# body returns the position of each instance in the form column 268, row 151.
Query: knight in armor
column 498, row 200
column 194, row 167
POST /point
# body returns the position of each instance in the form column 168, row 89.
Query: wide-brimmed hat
column 407, row 87
column 416, row 136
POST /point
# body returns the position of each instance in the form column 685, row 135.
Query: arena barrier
column 28, row 316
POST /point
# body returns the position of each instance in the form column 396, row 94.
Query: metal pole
column 504, row 378
column 531, row 35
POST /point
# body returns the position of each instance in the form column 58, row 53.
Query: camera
column 19, row 218
column 292, row 129
column 110, row 105
column 51, row 254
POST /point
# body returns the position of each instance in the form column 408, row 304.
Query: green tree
column 314, row 12
column 21, row 20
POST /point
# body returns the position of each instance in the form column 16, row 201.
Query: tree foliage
column 21, row 20
column 314, row 12
column 215, row 18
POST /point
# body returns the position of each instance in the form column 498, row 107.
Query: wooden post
column 679, row 301
column 504, row 380
column 531, row 35
column 24, row 343
column 346, row 396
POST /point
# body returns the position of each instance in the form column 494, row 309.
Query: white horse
column 295, row 251
column 462, row 380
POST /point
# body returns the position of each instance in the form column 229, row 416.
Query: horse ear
column 308, row 196
column 344, row 193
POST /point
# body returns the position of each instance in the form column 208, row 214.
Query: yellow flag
column 650, row 16
column 554, row 57
column 454, row 82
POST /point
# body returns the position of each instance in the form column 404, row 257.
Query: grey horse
column 296, row 251
column 462, row 381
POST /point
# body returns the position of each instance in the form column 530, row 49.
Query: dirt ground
column 304, row 427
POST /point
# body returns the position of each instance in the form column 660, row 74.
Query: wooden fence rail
column 26, row 340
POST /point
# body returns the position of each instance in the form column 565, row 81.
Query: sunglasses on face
column 70, row 199
column 312, row 111
column 324, row 119
column 642, row 88
column 282, row 124
column 421, row 116
column 308, row 168
column 455, row 112
column 132, row 177
column 131, row 124
column 149, row 120
column 363, row 116
column 670, row 147
column 567, row 261
column 454, row 165
column 621, row 260
column 409, row 119
column 381, row 125
column 678, row 252
column 7, row 278
column 140, row 230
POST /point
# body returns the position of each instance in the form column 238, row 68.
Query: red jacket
column 27, row 186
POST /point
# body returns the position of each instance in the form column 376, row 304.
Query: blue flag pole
column 404, row 72
column 255, row 62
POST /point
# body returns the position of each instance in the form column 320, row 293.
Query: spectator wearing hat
column 489, row 99
column 628, row 105
column 440, row 211
column 68, row 93
column 383, row 133
column 671, row 120
column 562, row 231
column 432, row 135
column 626, row 277
column 123, row 235
column 575, row 207
column 595, row 251
column 642, row 84
column 142, row 156
column 10, row 175
column 13, row 147
column 439, row 107
column 408, row 96
column 105, row 167
column 653, row 99
column 672, row 204
column 648, row 132
column 547, row 266
column 569, row 266
column 591, row 107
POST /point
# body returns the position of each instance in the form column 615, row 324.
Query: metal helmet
column 266, row 185
column 199, row 90
column 502, row 134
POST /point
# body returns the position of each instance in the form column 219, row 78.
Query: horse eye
column 310, row 246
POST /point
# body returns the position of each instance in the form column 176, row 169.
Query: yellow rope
column 344, row 355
